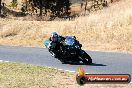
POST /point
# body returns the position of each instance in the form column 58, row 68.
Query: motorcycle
column 71, row 51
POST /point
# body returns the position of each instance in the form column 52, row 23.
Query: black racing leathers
column 55, row 46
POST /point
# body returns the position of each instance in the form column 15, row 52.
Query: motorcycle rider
column 55, row 43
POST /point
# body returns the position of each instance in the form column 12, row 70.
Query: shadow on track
column 78, row 63
column 94, row 64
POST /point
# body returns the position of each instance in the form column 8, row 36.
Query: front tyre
column 86, row 59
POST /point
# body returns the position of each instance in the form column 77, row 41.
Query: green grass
column 14, row 75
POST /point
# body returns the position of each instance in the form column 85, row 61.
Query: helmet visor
column 54, row 39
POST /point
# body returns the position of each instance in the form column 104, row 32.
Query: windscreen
column 69, row 41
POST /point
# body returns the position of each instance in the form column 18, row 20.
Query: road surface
column 103, row 62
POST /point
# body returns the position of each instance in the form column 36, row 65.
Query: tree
column 62, row 7
column 40, row 4
column 57, row 7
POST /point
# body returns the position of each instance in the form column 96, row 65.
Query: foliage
column 14, row 3
column 56, row 7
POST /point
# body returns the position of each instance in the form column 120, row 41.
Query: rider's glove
column 49, row 46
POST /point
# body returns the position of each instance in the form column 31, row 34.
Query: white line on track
column 6, row 61
column 1, row 60
column 63, row 70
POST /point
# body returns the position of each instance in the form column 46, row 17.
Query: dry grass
column 107, row 30
column 14, row 75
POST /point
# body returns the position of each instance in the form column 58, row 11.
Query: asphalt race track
column 103, row 62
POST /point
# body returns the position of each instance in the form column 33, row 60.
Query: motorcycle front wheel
column 86, row 59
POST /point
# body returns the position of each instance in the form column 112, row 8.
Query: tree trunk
column 86, row 6
column 41, row 11
column 0, row 7
column 41, row 8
